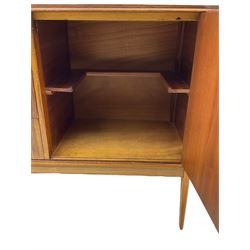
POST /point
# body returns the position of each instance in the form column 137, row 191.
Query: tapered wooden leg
column 183, row 198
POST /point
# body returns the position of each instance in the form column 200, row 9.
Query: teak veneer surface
column 181, row 104
column 58, row 77
column 107, row 167
column 61, row 113
column 187, row 50
column 34, row 112
column 39, row 93
column 119, row 12
column 53, row 43
column 36, row 140
column 201, row 145
column 120, row 140
column 122, row 95
column 122, row 46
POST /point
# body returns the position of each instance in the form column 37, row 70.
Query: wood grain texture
column 131, row 96
column 120, row 140
column 61, row 113
column 112, row 15
column 200, row 153
column 183, row 198
column 188, row 47
column 39, row 91
column 36, row 140
column 106, row 167
column 180, row 113
column 123, row 46
column 181, row 26
column 54, row 56
column 34, row 112
column 118, row 12
column 53, row 41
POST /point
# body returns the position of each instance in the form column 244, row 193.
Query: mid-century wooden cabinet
column 129, row 90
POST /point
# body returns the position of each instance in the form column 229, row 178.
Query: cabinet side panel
column 36, row 141
column 39, row 92
column 34, row 112
column 200, row 156
column 53, row 45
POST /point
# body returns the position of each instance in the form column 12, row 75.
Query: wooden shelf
column 69, row 82
column 127, row 74
column 120, row 140
column 175, row 84
column 66, row 83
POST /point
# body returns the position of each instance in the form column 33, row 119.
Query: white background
column 119, row 212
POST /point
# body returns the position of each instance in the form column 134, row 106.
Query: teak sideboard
column 127, row 90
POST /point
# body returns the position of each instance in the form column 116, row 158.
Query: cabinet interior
column 117, row 90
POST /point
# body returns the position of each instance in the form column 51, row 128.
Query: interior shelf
column 120, row 140
column 127, row 74
column 175, row 83
column 66, row 82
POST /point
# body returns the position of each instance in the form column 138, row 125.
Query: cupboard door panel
column 36, row 142
column 200, row 153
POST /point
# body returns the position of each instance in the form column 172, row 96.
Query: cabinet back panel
column 123, row 46
column 122, row 97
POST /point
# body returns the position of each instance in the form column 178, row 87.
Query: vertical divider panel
column 39, row 89
column 55, row 61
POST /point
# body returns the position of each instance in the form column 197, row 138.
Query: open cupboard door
column 201, row 150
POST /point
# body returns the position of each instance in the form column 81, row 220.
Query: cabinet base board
column 111, row 168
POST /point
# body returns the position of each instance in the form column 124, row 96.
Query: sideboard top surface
column 121, row 7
